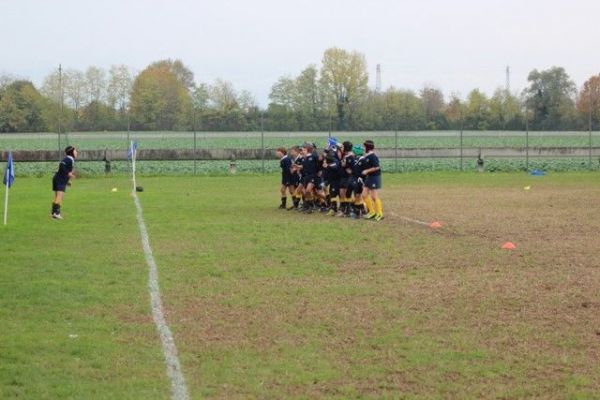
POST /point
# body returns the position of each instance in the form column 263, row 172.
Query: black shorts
column 373, row 182
column 59, row 184
column 344, row 183
column 334, row 188
column 314, row 179
column 287, row 180
column 295, row 180
column 355, row 185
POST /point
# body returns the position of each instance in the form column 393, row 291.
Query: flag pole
column 133, row 156
column 6, row 197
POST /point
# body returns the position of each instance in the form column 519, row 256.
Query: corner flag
column 9, row 172
column 132, row 149
column 8, row 180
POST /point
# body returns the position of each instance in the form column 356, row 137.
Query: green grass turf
column 265, row 303
column 85, row 276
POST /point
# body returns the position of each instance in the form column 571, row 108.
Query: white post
column 6, row 199
column 133, row 155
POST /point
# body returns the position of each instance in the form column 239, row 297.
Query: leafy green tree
column 21, row 108
column 454, row 112
column 505, row 111
column 550, row 97
column 433, row 103
column 403, row 110
column 159, row 100
column 477, row 111
column 97, row 116
column 344, row 81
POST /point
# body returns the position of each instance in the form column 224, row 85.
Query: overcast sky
column 456, row 45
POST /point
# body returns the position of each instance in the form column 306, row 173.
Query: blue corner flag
column 132, row 149
column 9, row 173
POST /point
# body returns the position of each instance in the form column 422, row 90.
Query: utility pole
column 60, row 108
column 378, row 79
column 507, row 79
column 590, row 129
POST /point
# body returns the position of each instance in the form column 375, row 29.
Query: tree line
column 333, row 96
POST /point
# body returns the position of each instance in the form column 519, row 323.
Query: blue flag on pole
column 9, row 172
column 132, row 149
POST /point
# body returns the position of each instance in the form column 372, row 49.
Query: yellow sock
column 369, row 204
column 379, row 206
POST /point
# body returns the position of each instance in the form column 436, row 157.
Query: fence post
column 128, row 127
column 461, row 143
column 590, row 133
column 195, row 152
column 396, row 149
column 262, row 141
column 527, row 139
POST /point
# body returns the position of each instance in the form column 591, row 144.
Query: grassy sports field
column 273, row 304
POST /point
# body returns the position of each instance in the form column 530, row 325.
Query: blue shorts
column 59, row 185
column 373, row 182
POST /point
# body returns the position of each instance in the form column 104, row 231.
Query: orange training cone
column 509, row 246
column 435, row 225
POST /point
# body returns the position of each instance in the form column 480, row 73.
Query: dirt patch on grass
column 409, row 310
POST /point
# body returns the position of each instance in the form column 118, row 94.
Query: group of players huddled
column 342, row 180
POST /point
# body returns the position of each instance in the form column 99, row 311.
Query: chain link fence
column 240, row 152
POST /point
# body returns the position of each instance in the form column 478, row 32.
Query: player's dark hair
column 282, row 150
column 70, row 150
column 309, row 147
column 347, row 146
column 369, row 145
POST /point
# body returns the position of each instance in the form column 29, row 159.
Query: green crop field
column 241, row 140
column 272, row 304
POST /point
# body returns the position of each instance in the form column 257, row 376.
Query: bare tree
column 120, row 81
column 96, row 84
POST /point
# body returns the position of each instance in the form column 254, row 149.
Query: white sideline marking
column 414, row 221
column 178, row 387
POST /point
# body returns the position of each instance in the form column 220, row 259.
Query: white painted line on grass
column 414, row 221
column 178, row 387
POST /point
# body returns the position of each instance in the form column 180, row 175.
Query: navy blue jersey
column 333, row 170
column 371, row 160
column 309, row 165
column 286, row 167
column 348, row 163
column 298, row 162
column 358, row 167
column 64, row 168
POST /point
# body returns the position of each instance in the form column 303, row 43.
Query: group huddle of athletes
column 342, row 180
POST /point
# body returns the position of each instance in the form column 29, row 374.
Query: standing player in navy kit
column 287, row 184
column 372, row 176
column 310, row 179
column 60, row 181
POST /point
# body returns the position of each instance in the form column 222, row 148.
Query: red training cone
column 509, row 246
column 435, row 225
